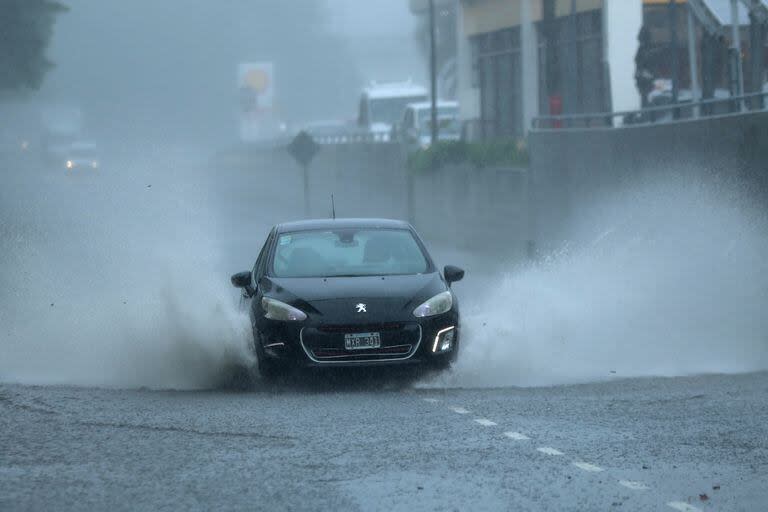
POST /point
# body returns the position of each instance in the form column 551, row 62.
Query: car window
column 348, row 252
column 258, row 268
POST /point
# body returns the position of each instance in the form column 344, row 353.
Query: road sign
column 256, row 88
column 303, row 148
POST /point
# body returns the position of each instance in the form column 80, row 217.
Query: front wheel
column 269, row 369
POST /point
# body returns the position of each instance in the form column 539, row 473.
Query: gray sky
column 384, row 42
column 169, row 67
column 391, row 18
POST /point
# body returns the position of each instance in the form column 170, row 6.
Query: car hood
column 340, row 295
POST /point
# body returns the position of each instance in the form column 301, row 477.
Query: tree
column 26, row 27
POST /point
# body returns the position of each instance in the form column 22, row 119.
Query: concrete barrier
column 460, row 206
column 573, row 168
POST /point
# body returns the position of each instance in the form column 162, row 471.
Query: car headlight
column 276, row 310
column 437, row 305
column 70, row 164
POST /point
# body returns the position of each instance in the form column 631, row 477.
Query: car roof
column 320, row 224
column 424, row 105
column 394, row 90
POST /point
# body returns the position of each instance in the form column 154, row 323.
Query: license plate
column 362, row 341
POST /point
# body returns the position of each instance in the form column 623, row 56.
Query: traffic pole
column 433, row 70
column 306, row 191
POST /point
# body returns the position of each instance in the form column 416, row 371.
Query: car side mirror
column 453, row 274
column 241, row 280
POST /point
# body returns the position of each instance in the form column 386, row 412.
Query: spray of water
column 673, row 281
column 116, row 279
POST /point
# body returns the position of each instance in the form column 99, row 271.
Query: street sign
column 303, row 149
column 256, row 89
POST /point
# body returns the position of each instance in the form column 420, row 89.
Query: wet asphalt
column 386, row 445
column 375, row 443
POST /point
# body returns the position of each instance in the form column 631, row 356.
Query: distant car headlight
column 95, row 164
column 437, row 305
column 276, row 310
column 70, row 164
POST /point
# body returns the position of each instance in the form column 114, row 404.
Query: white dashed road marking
column 683, row 506
column 588, row 467
column 549, row 451
column 680, row 506
column 635, row 486
column 517, row 436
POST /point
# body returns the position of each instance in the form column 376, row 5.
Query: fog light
column 444, row 340
column 274, row 349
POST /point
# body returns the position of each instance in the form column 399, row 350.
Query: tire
column 270, row 370
column 442, row 364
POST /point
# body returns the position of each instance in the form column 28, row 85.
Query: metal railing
column 658, row 114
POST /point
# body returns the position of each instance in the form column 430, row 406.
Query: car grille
column 325, row 344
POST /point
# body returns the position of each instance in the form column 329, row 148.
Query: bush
column 479, row 154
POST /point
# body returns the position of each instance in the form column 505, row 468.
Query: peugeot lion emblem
column 361, row 308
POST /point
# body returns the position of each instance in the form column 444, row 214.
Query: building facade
column 522, row 58
column 518, row 59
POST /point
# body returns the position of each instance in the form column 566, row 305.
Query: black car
column 349, row 292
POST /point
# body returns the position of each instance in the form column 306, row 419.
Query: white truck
column 382, row 107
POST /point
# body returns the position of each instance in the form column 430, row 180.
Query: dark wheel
column 443, row 363
column 270, row 369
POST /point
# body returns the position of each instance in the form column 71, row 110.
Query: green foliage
column 26, row 27
column 502, row 152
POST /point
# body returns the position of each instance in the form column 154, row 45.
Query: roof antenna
column 333, row 207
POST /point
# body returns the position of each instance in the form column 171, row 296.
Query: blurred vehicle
column 352, row 292
column 382, row 106
column 330, row 132
column 82, row 155
column 62, row 127
column 415, row 129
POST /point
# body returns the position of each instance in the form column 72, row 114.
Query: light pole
column 433, row 71
column 735, row 52
column 673, row 51
column 693, row 64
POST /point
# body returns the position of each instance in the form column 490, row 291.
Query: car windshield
column 390, row 110
column 447, row 121
column 348, row 253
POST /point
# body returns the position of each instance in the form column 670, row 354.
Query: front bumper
column 322, row 345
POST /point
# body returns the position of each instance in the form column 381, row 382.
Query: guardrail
column 651, row 115
column 350, row 138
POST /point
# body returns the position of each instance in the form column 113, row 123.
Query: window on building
column 497, row 65
column 572, row 78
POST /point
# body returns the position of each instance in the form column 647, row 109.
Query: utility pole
column 433, row 70
column 735, row 52
column 693, row 64
column 673, row 50
column 571, row 86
